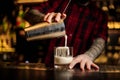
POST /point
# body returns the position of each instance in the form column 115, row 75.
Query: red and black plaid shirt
column 83, row 24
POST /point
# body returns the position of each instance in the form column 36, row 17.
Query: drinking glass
column 62, row 57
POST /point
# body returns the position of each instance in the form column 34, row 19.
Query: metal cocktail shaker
column 41, row 29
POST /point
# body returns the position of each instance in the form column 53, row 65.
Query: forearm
column 96, row 48
column 33, row 16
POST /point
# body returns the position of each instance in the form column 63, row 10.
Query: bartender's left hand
column 85, row 62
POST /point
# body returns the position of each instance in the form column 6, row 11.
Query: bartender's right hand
column 49, row 17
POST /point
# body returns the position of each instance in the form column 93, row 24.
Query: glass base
column 64, row 66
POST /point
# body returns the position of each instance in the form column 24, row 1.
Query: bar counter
column 35, row 71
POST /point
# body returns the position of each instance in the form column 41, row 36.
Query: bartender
column 85, row 26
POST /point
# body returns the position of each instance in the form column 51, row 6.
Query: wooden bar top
column 37, row 72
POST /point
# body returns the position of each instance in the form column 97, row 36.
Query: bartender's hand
column 49, row 17
column 85, row 62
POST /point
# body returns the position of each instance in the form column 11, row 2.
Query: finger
column 96, row 67
column 82, row 65
column 50, row 17
column 58, row 17
column 88, row 66
column 46, row 16
column 73, row 63
column 64, row 16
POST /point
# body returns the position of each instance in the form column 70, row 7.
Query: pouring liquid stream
column 66, row 48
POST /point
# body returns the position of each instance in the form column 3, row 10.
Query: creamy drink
column 62, row 60
column 63, row 55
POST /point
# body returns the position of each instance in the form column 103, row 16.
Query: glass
column 62, row 57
